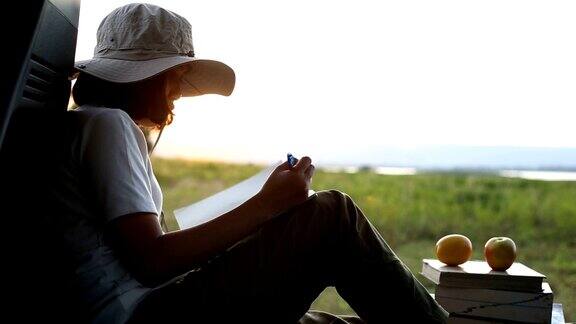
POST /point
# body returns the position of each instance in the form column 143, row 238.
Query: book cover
column 557, row 318
column 478, row 274
column 496, row 311
column 480, row 296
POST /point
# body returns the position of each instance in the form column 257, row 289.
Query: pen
column 291, row 160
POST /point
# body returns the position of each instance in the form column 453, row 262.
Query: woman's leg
column 275, row 274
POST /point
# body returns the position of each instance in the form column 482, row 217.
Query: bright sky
column 318, row 76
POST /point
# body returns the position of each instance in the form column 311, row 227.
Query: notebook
column 224, row 201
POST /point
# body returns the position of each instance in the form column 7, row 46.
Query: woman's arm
column 155, row 257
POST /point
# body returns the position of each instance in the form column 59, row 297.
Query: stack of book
column 474, row 293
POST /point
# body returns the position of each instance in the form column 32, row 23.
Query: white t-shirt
column 108, row 175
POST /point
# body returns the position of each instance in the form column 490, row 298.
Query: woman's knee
column 327, row 214
column 337, row 201
column 334, row 207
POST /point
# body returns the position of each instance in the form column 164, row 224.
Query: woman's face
column 173, row 79
column 172, row 91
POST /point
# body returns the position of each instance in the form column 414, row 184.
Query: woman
column 264, row 262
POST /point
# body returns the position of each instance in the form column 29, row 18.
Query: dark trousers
column 274, row 275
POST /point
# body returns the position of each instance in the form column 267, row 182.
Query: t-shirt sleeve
column 114, row 156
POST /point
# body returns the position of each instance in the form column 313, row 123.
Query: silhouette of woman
column 263, row 262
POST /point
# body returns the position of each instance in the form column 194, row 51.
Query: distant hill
column 456, row 157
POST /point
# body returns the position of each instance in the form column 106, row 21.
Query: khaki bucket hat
column 138, row 41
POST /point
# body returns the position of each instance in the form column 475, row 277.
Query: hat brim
column 203, row 76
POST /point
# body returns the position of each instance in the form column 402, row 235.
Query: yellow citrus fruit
column 454, row 249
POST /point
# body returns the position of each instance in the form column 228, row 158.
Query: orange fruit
column 454, row 249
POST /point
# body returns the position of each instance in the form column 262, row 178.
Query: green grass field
column 412, row 212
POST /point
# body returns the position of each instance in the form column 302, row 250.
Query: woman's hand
column 287, row 186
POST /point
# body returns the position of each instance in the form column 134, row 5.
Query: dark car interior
column 38, row 57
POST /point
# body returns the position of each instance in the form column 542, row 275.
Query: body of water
column 539, row 175
column 523, row 174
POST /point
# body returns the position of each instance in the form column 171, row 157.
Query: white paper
column 223, row 201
